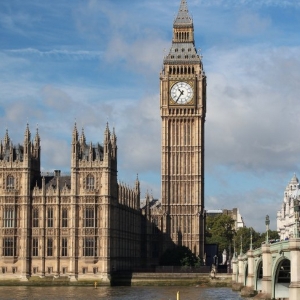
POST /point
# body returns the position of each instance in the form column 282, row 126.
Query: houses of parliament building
column 87, row 225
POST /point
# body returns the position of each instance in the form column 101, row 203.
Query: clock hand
column 181, row 93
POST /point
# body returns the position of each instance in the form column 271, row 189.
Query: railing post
column 267, row 270
column 234, row 268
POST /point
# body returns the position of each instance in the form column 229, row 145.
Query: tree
column 220, row 230
column 243, row 236
column 179, row 256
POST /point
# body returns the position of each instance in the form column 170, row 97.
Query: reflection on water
column 118, row 293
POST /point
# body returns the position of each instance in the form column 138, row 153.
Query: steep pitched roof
column 183, row 17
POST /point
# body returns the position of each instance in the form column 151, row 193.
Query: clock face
column 181, row 93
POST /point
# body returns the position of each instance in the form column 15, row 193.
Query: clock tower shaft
column 182, row 138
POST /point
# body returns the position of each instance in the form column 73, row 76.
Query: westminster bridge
column 272, row 270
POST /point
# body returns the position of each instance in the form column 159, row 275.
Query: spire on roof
column 6, row 138
column 27, row 133
column 37, row 136
column 294, row 180
column 75, row 133
column 183, row 17
column 82, row 137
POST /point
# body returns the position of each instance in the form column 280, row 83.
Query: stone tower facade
column 82, row 225
column 183, row 109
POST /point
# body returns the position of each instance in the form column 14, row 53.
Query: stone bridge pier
column 272, row 271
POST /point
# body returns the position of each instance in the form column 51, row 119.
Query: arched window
column 35, row 218
column 9, row 217
column 64, row 215
column 89, row 217
column 90, row 182
column 50, row 217
column 10, row 182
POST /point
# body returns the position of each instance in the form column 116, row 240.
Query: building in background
column 286, row 217
column 233, row 213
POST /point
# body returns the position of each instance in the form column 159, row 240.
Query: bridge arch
column 245, row 273
column 258, row 275
column 281, row 277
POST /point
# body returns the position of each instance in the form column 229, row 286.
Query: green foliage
column 220, row 230
column 179, row 256
column 243, row 234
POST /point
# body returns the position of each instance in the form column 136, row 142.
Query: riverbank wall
column 176, row 279
column 132, row 279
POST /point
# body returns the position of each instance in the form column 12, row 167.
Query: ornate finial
column 251, row 237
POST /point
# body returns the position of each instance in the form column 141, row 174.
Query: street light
column 251, row 238
column 296, row 210
column 267, row 225
column 241, row 245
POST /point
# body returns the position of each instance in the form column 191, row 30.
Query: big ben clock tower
column 183, row 108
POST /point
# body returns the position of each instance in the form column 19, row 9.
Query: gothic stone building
column 87, row 225
column 183, row 110
column 84, row 225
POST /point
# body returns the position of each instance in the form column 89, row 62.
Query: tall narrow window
column 35, row 218
column 10, row 182
column 89, row 217
column 64, row 247
column 50, row 217
column 9, row 217
column 9, row 246
column 89, row 246
column 35, row 247
column 64, row 216
column 90, row 182
column 49, row 247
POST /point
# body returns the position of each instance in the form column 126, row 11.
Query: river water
column 118, row 293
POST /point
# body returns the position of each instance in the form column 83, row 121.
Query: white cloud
column 252, row 108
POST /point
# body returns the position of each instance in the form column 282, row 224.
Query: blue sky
column 99, row 61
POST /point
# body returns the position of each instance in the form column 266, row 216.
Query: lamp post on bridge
column 251, row 239
column 241, row 245
column 296, row 210
column 267, row 228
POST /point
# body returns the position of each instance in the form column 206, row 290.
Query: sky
column 98, row 61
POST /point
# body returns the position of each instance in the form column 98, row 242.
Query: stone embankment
column 133, row 279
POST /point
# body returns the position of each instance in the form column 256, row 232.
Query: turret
column 183, row 28
column 27, row 146
column 91, row 152
column 107, row 141
column 36, row 145
column 75, row 145
column 114, row 144
column 148, row 205
column 6, row 139
column 82, row 139
column 138, row 191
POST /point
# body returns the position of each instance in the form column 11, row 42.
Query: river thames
column 118, row 293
